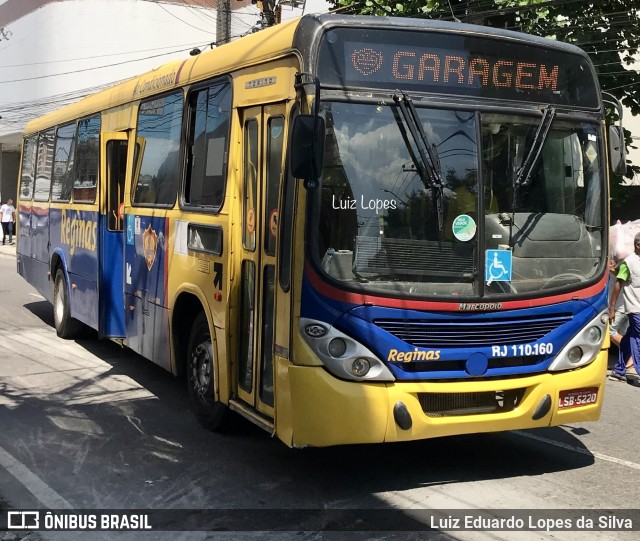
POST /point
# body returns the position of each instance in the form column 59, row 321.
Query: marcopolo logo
column 478, row 306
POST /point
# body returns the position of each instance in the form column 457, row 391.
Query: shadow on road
column 121, row 435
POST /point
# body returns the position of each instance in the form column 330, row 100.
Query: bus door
column 263, row 137
column 111, row 279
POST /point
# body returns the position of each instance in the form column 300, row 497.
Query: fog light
column 594, row 335
column 574, row 354
column 604, row 318
column 337, row 347
column 360, row 367
column 315, row 331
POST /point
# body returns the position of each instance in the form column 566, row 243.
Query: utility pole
column 223, row 22
column 271, row 14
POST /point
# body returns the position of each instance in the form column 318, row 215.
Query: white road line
column 580, row 450
column 43, row 492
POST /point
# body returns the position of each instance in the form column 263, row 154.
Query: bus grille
column 456, row 333
column 459, row 365
column 452, row 404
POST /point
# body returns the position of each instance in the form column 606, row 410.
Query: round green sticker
column 464, row 227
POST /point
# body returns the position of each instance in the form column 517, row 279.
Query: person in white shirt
column 8, row 212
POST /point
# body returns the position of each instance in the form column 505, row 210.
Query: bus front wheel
column 66, row 326
column 210, row 413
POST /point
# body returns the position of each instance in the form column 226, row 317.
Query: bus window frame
column 250, row 238
column 73, row 171
column 109, row 184
column 270, row 242
column 73, row 199
column 186, row 135
column 34, row 137
column 43, row 134
column 143, row 146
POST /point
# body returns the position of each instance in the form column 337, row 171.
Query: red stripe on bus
column 40, row 211
column 405, row 304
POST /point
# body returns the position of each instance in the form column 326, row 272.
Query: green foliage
column 608, row 30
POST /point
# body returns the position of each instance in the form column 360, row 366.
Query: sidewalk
column 8, row 250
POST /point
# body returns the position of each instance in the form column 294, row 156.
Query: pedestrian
column 617, row 328
column 628, row 282
column 8, row 212
column 619, row 324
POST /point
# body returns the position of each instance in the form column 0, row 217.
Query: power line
column 87, row 69
column 185, row 46
column 622, row 86
column 181, row 20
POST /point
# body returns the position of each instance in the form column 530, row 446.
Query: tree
column 608, row 30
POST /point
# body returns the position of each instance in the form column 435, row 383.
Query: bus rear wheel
column 66, row 326
column 210, row 413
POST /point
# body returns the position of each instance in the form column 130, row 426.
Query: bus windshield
column 377, row 221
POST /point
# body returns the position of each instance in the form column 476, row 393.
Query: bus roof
column 251, row 49
column 302, row 34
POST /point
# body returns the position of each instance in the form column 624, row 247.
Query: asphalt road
column 88, row 425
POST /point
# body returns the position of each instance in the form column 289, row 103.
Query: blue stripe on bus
column 443, row 341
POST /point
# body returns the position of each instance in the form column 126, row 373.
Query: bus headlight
column 594, row 335
column 337, row 347
column 315, row 330
column 574, row 354
column 584, row 347
column 343, row 356
column 360, row 367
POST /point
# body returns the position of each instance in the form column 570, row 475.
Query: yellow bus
column 345, row 229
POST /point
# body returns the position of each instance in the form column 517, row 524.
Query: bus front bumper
column 323, row 410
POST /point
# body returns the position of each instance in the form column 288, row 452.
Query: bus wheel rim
column 59, row 311
column 201, row 368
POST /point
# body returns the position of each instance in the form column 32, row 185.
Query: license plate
column 575, row 398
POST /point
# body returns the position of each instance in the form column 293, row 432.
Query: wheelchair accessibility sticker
column 497, row 266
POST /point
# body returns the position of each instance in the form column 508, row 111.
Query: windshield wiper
column 523, row 176
column 427, row 163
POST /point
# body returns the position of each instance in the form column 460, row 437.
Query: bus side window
column 63, row 158
column 275, row 142
column 250, row 196
column 28, row 168
column 207, row 146
column 159, row 126
column 44, row 166
column 86, row 162
column 116, row 169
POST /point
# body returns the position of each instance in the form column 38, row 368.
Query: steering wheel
column 563, row 276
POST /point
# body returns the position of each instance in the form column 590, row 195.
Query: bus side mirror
column 617, row 151
column 306, row 153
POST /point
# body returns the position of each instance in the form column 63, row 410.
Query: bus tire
column 211, row 414
column 66, row 326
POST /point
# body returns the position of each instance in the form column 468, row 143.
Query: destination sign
column 456, row 64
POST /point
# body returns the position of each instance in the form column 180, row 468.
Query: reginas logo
column 396, row 356
column 77, row 233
